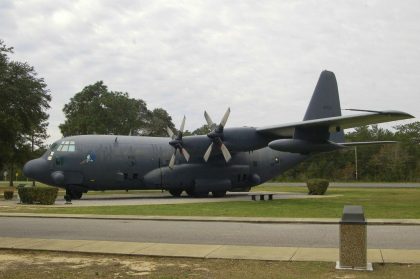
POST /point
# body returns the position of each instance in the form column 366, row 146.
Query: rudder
column 325, row 102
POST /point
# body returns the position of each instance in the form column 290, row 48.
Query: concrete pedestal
column 353, row 240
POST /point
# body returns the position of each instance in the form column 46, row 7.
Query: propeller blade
column 181, row 129
column 225, row 118
column 171, row 134
column 225, row 152
column 172, row 161
column 208, row 152
column 185, row 153
column 209, row 121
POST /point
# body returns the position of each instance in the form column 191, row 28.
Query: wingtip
column 399, row 113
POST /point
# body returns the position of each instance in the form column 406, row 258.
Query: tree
column 394, row 162
column 159, row 119
column 95, row 110
column 203, row 130
column 409, row 137
column 24, row 100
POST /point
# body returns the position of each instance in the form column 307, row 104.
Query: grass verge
column 401, row 203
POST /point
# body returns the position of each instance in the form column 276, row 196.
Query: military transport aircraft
column 226, row 159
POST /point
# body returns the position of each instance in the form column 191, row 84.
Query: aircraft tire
column 76, row 195
column 196, row 194
column 190, row 192
column 200, row 194
column 218, row 194
column 176, row 192
column 73, row 194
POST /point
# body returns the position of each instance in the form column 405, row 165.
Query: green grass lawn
column 401, row 203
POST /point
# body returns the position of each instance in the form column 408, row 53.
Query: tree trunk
column 12, row 169
column 32, row 149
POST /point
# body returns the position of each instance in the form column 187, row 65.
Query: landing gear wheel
column 200, row 194
column 190, row 192
column 218, row 194
column 193, row 193
column 76, row 195
column 67, row 198
column 72, row 194
column 176, row 192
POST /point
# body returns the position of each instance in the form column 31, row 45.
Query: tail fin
column 325, row 103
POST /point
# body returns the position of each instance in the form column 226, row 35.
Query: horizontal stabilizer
column 348, row 144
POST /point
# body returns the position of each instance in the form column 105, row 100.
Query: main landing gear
column 176, row 192
column 72, row 194
column 197, row 194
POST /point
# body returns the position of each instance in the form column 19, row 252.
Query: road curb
column 263, row 220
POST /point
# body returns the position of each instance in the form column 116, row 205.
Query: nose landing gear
column 72, row 194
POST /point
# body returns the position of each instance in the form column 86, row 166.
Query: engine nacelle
column 303, row 146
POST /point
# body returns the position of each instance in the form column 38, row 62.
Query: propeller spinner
column 216, row 135
column 177, row 144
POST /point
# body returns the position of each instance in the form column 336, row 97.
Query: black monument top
column 353, row 214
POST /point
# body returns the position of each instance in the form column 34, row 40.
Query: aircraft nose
column 35, row 169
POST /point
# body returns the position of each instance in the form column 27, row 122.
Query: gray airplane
column 226, row 159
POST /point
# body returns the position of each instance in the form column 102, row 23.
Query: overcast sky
column 260, row 58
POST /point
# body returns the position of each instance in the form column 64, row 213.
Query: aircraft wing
column 335, row 123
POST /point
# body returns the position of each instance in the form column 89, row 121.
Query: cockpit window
column 53, row 146
column 66, row 146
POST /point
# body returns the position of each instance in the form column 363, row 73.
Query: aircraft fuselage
column 108, row 162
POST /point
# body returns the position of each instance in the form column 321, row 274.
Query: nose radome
column 35, row 169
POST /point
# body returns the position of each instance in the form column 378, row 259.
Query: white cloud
column 260, row 58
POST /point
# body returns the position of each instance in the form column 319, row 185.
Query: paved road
column 191, row 232
column 352, row 184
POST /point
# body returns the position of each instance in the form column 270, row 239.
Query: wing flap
column 335, row 123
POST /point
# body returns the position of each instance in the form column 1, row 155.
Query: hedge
column 317, row 186
column 8, row 194
column 42, row 195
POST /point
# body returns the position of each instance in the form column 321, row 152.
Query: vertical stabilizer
column 324, row 103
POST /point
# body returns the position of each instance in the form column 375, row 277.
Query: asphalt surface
column 191, row 232
column 352, row 184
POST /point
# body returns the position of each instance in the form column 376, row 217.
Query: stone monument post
column 353, row 240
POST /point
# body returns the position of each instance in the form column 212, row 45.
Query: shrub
column 42, row 195
column 317, row 186
column 26, row 194
column 8, row 194
column 46, row 195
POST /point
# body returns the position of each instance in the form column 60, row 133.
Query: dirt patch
column 32, row 264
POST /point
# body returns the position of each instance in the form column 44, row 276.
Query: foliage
column 317, row 186
column 387, row 162
column 159, row 120
column 8, row 194
column 96, row 110
column 203, row 130
column 42, row 195
column 24, row 100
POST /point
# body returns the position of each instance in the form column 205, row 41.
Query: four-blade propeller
column 216, row 136
column 177, row 143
